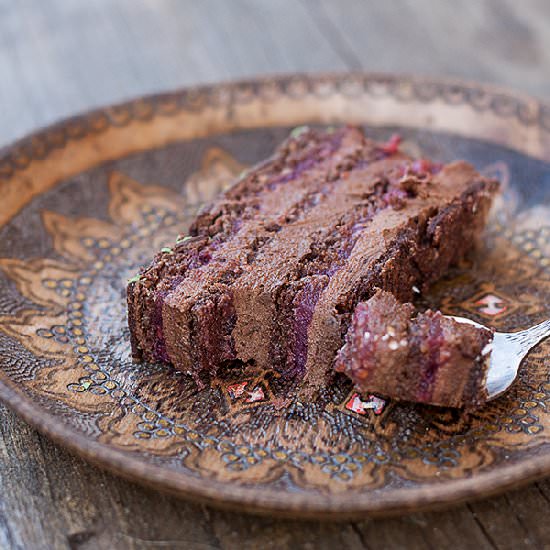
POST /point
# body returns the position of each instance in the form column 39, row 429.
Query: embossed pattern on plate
column 89, row 200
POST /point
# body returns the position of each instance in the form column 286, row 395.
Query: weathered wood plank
column 102, row 52
column 52, row 499
column 59, row 58
column 492, row 40
column 500, row 521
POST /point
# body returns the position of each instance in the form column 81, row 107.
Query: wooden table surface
column 59, row 57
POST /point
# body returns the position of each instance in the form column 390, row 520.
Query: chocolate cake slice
column 429, row 358
column 271, row 272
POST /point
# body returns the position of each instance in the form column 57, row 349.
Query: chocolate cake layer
column 227, row 234
column 429, row 358
column 272, row 271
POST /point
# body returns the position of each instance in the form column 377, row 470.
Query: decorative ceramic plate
column 86, row 202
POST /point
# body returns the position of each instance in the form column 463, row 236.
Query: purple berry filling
column 305, row 301
column 311, row 160
column 159, row 345
column 204, row 256
column 435, row 340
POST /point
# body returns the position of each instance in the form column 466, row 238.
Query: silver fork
column 507, row 351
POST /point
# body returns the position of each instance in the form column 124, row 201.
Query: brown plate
column 85, row 202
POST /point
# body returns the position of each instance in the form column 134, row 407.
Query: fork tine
column 531, row 336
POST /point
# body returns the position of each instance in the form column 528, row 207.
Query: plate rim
column 252, row 499
column 268, row 502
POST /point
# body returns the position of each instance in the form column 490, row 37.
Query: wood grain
column 52, row 499
column 60, row 57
